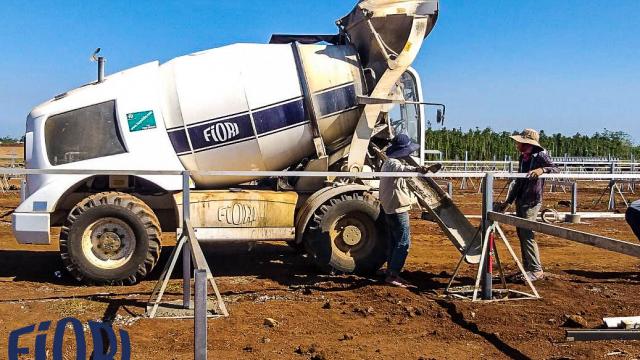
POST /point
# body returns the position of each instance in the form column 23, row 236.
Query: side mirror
column 440, row 116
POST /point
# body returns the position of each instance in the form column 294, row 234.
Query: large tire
column 346, row 234
column 110, row 238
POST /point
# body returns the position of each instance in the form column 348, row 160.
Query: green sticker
column 143, row 120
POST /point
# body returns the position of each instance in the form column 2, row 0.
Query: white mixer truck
column 312, row 102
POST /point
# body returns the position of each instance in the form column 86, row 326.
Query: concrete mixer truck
column 301, row 102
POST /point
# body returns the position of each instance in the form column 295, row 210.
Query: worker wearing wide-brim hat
column 396, row 201
column 527, row 194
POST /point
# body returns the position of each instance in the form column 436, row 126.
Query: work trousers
column 399, row 235
column 633, row 217
column 528, row 244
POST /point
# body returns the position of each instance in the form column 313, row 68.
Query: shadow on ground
column 458, row 318
column 271, row 261
column 606, row 276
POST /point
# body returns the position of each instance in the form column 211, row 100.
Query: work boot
column 396, row 280
column 532, row 275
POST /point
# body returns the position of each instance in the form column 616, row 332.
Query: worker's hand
column 534, row 174
column 500, row 206
column 430, row 169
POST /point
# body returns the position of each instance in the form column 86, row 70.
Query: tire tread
column 144, row 213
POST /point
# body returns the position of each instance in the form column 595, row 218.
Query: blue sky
column 561, row 65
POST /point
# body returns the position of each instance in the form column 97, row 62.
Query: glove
column 431, row 168
column 500, row 206
column 534, row 174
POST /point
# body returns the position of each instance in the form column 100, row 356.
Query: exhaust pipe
column 100, row 60
column 100, row 69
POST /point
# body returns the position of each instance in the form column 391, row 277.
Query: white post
column 200, row 316
column 186, row 250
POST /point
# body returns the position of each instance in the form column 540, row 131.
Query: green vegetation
column 10, row 140
column 487, row 144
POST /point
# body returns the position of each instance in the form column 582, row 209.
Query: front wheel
column 346, row 234
column 110, row 238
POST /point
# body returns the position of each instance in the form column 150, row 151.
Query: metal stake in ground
column 200, row 315
column 487, row 206
column 186, row 251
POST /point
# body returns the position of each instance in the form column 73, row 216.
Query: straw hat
column 528, row 136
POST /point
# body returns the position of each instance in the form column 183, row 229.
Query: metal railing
column 571, row 167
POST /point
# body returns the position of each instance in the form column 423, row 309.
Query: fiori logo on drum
column 103, row 337
column 221, row 132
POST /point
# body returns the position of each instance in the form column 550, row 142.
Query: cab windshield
column 405, row 118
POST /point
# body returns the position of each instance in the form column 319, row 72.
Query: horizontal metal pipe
column 602, row 334
column 360, row 175
column 562, row 214
column 490, row 162
column 619, row 246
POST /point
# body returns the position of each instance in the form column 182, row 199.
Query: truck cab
column 89, row 129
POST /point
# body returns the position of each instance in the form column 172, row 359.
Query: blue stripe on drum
column 279, row 117
column 209, row 120
column 236, row 128
column 221, row 132
column 336, row 100
column 179, row 141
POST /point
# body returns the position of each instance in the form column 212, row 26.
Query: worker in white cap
column 527, row 194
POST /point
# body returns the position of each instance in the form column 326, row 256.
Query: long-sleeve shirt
column 529, row 191
column 633, row 217
column 395, row 196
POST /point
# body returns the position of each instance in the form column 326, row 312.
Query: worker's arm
column 545, row 165
column 514, row 191
column 511, row 196
column 549, row 166
column 395, row 165
column 421, row 169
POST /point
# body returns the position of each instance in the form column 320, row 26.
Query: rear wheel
column 110, row 238
column 346, row 234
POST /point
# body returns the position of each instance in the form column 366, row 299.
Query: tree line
column 10, row 140
column 487, row 144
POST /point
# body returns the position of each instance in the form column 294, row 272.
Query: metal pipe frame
column 487, row 228
column 200, row 315
column 603, row 242
column 602, row 334
column 576, row 167
column 186, row 251
column 338, row 174
column 574, row 198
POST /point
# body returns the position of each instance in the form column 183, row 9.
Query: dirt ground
column 9, row 152
column 343, row 316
